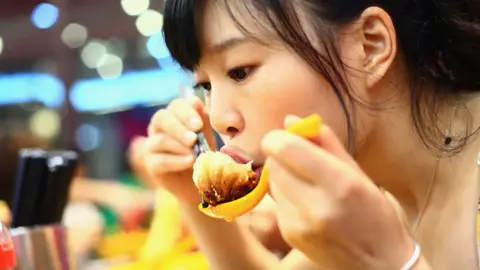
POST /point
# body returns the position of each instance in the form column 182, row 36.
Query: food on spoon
column 220, row 179
column 306, row 128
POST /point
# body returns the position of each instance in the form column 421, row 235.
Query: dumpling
column 220, row 179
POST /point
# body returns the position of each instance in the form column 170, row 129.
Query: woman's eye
column 206, row 86
column 239, row 74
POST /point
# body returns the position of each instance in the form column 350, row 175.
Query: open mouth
column 257, row 169
column 223, row 178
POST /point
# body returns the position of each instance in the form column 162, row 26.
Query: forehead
column 219, row 22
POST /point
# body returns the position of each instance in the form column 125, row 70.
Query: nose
column 225, row 117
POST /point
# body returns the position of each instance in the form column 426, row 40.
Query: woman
column 397, row 85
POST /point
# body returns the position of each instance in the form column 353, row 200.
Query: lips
column 240, row 158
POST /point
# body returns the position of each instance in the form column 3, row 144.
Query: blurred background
column 85, row 75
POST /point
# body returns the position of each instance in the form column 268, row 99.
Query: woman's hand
column 328, row 208
column 169, row 147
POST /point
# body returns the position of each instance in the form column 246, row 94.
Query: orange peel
column 307, row 128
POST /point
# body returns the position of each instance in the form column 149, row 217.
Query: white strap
column 413, row 259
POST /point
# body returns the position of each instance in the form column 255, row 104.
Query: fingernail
column 195, row 124
column 190, row 137
column 273, row 144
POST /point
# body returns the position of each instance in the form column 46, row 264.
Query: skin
column 342, row 220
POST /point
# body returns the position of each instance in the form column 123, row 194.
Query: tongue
column 234, row 156
column 259, row 172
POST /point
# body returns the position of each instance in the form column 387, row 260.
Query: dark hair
column 438, row 39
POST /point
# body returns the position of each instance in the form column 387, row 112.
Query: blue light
column 156, row 46
column 88, row 137
column 132, row 89
column 28, row 87
column 44, row 15
column 168, row 63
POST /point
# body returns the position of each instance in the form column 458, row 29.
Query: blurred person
column 120, row 197
column 85, row 194
column 125, row 200
column 136, row 160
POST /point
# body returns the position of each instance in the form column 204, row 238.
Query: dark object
column 65, row 177
column 41, row 187
column 10, row 146
column 61, row 166
column 31, row 177
column 48, row 202
column 448, row 140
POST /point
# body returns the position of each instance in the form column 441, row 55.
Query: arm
column 227, row 245
column 90, row 190
column 111, row 193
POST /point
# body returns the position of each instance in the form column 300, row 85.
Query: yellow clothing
column 167, row 247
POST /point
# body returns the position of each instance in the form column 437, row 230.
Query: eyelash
column 206, row 86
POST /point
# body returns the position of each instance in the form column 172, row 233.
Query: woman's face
column 253, row 86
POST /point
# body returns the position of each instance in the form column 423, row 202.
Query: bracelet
column 413, row 259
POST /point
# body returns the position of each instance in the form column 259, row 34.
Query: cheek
column 298, row 90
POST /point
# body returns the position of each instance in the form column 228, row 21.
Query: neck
column 407, row 169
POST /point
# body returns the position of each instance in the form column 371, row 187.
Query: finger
column 327, row 140
column 159, row 164
column 304, row 159
column 290, row 120
column 207, row 129
column 136, row 147
column 187, row 111
column 164, row 121
column 287, row 186
column 294, row 211
column 162, row 143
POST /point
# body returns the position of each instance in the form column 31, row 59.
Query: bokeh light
column 131, row 89
column 149, row 23
column 45, row 123
column 45, row 15
column 74, row 35
column 156, row 46
column 88, row 137
column 93, row 53
column 28, row 87
column 135, row 7
column 110, row 67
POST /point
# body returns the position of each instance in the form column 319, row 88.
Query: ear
column 379, row 41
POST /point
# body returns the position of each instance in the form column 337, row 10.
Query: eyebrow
column 229, row 43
